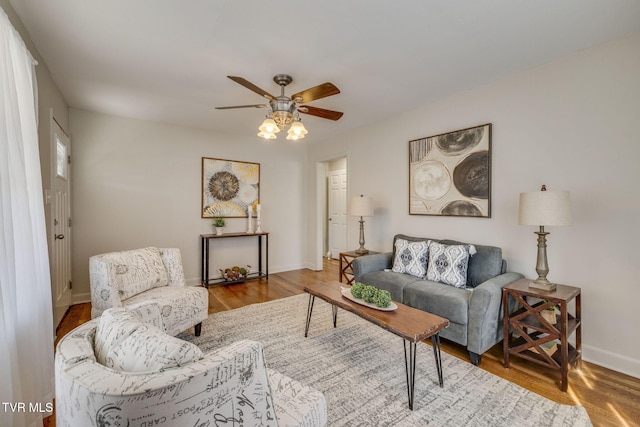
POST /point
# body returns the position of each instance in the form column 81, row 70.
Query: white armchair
column 152, row 278
column 228, row 386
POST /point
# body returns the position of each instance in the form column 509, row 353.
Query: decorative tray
column 346, row 292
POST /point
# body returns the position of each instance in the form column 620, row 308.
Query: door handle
column 59, row 236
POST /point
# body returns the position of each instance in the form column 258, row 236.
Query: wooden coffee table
column 411, row 324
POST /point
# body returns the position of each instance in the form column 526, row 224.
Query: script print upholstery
column 411, row 258
column 180, row 306
column 449, row 264
column 123, row 342
column 228, row 386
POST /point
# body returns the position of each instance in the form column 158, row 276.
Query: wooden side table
column 346, row 267
column 534, row 330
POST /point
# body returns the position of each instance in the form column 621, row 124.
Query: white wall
column 570, row 124
column 138, row 183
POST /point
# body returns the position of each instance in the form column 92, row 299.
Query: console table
column 204, row 245
column 534, row 330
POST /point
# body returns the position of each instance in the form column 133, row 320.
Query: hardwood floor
column 610, row 398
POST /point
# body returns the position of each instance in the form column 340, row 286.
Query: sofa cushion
column 115, row 325
column 389, row 281
column 411, row 258
column 448, row 264
column 485, row 264
column 447, row 301
column 180, row 308
column 133, row 272
column 148, row 349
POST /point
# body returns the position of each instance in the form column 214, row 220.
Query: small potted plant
column 549, row 314
column 219, row 224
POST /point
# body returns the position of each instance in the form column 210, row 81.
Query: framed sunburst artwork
column 229, row 187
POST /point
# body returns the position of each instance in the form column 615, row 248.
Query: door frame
column 55, row 128
column 321, row 207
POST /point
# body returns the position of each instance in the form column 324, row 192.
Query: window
column 61, row 159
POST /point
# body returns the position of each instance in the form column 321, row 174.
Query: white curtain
column 26, row 319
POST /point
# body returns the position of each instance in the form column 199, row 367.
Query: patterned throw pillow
column 411, row 258
column 448, row 264
column 148, row 349
column 115, row 325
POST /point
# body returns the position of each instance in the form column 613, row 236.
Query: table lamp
column 361, row 206
column 544, row 208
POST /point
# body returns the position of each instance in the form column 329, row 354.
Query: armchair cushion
column 180, row 308
column 133, row 272
column 116, row 324
column 148, row 349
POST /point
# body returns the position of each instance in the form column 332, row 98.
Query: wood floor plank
column 610, row 398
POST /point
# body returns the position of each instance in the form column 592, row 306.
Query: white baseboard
column 80, row 298
column 613, row 361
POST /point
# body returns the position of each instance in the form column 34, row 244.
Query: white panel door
column 337, row 212
column 61, row 223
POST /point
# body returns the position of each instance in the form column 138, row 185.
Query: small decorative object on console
column 235, row 273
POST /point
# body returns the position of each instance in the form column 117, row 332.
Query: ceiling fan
column 284, row 110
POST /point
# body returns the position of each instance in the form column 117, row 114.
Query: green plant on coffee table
column 356, row 289
column 379, row 297
column 382, row 298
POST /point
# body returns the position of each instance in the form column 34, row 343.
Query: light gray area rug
column 360, row 369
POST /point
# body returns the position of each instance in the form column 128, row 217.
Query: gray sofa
column 474, row 312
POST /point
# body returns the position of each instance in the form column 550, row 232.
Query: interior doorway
column 335, row 236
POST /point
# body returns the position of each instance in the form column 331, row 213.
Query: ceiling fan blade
column 320, row 112
column 252, row 87
column 317, row 92
column 242, row 106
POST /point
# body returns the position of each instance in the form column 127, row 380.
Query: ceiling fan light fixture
column 269, row 126
column 297, row 130
column 267, row 135
column 282, row 118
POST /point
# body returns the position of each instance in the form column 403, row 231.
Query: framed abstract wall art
column 229, row 187
column 450, row 173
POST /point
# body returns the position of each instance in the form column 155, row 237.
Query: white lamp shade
column 542, row 208
column 267, row 135
column 361, row 206
column 269, row 126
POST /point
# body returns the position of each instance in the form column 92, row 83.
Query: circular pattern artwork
column 229, row 188
column 461, row 208
column 431, row 180
column 456, row 143
column 224, row 186
column 471, row 175
column 450, row 173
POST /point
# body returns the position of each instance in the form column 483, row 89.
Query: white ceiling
column 167, row 60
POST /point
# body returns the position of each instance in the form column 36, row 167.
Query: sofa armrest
column 370, row 263
column 228, row 384
column 104, row 293
column 485, row 313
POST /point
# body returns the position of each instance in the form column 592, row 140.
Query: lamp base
column 541, row 283
column 362, row 251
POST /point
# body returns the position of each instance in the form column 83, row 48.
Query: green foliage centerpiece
column 369, row 294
